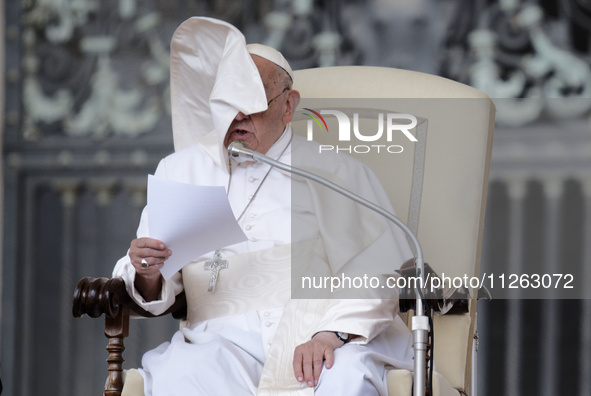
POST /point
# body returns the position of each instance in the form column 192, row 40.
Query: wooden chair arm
column 97, row 296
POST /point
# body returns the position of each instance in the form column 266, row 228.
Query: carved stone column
column 553, row 190
column 517, row 189
column 1, row 143
column 68, row 190
column 585, row 326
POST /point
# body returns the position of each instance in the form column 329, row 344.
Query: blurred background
column 85, row 116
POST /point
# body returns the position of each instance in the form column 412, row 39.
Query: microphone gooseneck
column 239, row 153
column 420, row 322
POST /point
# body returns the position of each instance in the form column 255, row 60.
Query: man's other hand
column 309, row 357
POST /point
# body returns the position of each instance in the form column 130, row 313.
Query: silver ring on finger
column 145, row 263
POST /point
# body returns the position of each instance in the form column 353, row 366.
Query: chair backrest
column 438, row 184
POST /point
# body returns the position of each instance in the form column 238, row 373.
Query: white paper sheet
column 191, row 220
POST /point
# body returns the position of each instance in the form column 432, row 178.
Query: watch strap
column 342, row 336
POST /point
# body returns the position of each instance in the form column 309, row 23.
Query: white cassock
column 241, row 338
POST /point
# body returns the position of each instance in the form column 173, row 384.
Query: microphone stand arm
column 420, row 322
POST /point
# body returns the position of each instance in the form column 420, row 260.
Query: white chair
column 437, row 185
column 449, row 166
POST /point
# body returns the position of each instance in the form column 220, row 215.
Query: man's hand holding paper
column 189, row 220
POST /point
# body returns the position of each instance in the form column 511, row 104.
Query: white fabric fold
column 212, row 78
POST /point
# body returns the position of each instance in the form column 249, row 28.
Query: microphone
column 238, row 152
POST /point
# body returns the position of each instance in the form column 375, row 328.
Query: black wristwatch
column 342, row 336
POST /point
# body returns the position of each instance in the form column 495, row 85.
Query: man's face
column 259, row 131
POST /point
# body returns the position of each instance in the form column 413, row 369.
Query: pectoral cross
column 215, row 265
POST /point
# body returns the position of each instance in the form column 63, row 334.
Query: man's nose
column 240, row 116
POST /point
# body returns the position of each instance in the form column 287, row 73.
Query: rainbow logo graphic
column 317, row 118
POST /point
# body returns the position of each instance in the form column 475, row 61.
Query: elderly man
column 252, row 338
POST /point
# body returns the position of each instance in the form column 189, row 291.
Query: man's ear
column 293, row 100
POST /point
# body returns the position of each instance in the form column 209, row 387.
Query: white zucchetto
column 271, row 54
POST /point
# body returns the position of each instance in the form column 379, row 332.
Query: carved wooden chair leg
column 97, row 296
column 116, row 329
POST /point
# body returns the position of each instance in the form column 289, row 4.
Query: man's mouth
column 238, row 134
column 241, row 134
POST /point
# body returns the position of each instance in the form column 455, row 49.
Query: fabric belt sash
column 253, row 281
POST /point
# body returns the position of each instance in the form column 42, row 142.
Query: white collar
column 280, row 144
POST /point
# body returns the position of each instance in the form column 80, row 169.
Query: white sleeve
column 364, row 317
column 170, row 288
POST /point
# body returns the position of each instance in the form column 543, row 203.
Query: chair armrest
column 97, row 296
column 456, row 302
